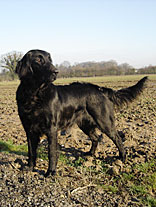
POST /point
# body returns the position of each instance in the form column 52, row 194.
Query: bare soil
column 92, row 181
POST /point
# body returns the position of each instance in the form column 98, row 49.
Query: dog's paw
column 50, row 173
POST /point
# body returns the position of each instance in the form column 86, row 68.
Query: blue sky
column 81, row 30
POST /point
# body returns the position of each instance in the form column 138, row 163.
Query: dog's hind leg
column 89, row 129
column 115, row 137
column 95, row 139
column 105, row 120
column 107, row 126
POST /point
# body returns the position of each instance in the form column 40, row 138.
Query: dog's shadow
column 77, row 153
column 73, row 155
column 71, row 151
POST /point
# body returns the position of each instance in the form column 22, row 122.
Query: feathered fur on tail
column 126, row 95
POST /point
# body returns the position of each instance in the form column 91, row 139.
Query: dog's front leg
column 33, row 140
column 52, row 152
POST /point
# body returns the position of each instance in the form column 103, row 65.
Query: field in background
column 104, row 79
column 98, row 80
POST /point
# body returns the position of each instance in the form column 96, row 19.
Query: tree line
column 9, row 61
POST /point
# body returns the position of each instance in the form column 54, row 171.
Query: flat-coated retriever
column 45, row 108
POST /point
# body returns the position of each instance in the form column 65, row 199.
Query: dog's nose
column 52, row 67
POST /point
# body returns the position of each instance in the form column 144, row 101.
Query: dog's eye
column 39, row 59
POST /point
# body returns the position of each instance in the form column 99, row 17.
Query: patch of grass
column 141, row 181
column 73, row 163
column 150, row 181
column 145, row 167
column 110, row 188
column 151, row 202
column 139, row 190
column 42, row 153
column 128, row 176
column 64, row 159
column 9, row 147
column 104, row 168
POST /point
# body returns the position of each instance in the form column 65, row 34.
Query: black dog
column 45, row 108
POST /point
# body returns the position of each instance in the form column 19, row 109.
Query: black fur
column 45, row 108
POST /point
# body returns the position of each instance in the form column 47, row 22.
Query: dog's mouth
column 53, row 69
column 51, row 73
column 47, row 76
column 52, row 77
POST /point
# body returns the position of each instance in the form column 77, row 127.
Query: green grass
column 145, row 167
column 151, row 202
column 128, row 176
column 110, row 188
column 139, row 190
column 75, row 163
column 141, row 181
column 9, row 147
column 42, row 153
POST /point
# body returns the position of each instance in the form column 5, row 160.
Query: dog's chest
column 33, row 111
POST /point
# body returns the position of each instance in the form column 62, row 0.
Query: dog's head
column 36, row 65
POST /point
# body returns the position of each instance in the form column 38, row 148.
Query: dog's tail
column 126, row 95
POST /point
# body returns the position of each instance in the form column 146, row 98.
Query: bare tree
column 9, row 61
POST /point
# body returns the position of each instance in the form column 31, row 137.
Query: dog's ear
column 18, row 67
column 23, row 68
